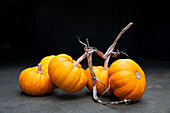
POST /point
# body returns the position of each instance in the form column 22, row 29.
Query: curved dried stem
column 115, row 54
column 114, row 102
column 88, row 52
column 106, row 62
column 107, row 90
column 81, row 42
column 87, row 45
column 99, row 53
column 101, row 83
column 80, row 59
column 111, row 48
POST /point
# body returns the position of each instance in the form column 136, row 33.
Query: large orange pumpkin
column 65, row 75
column 127, row 79
column 102, row 76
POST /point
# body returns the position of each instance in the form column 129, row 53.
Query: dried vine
column 88, row 53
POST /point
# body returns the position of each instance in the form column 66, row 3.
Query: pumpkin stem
column 85, row 46
column 89, row 51
column 114, row 54
column 80, row 59
column 111, row 48
column 39, row 68
column 107, row 90
column 106, row 62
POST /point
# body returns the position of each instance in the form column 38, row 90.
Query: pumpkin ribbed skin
column 127, row 79
column 46, row 60
column 65, row 75
column 102, row 75
column 34, row 83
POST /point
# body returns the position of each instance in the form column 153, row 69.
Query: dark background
column 44, row 27
column 32, row 29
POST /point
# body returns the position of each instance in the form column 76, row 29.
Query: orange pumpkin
column 102, row 76
column 127, row 79
column 36, row 81
column 65, row 75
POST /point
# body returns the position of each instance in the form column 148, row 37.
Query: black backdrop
column 44, row 27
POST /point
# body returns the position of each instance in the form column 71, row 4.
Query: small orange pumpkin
column 102, row 76
column 65, row 75
column 127, row 79
column 35, row 80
